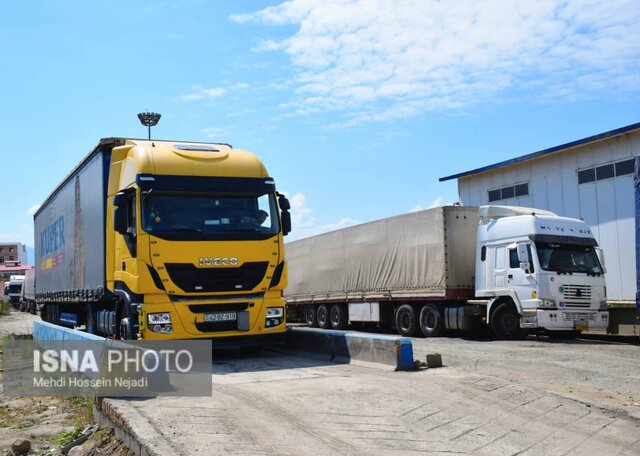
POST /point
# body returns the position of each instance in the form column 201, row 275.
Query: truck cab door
column 522, row 282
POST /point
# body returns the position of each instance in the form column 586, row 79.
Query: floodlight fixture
column 149, row 119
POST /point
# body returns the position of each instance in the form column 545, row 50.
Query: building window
column 1, row 260
column 512, row 191
column 11, row 258
column 621, row 168
column 10, row 249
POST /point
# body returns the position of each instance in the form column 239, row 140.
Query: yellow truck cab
column 192, row 242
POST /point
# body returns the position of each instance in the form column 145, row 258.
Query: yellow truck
column 162, row 240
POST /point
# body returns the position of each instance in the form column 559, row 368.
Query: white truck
column 452, row 268
column 15, row 290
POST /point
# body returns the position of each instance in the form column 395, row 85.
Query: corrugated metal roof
column 542, row 153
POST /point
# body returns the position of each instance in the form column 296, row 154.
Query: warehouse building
column 591, row 178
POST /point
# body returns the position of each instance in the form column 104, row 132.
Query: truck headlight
column 160, row 323
column 273, row 312
column 603, row 305
column 275, row 317
column 548, row 303
column 159, row 318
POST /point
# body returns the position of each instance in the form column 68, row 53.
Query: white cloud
column 201, row 93
column 33, row 209
column 304, row 222
column 384, row 59
column 438, row 202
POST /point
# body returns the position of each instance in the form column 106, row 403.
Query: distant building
column 13, row 254
column 592, row 179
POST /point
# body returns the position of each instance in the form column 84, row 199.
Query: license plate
column 581, row 327
column 228, row 316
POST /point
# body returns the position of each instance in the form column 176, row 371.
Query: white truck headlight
column 548, row 303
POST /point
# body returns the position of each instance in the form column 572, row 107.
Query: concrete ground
column 532, row 397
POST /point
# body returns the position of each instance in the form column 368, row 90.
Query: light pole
column 149, row 119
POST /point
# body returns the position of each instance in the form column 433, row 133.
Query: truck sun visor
column 559, row 239
column 205, row 184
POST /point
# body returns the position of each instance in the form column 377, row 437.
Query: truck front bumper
column 567, row 320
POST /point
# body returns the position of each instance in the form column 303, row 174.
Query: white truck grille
column 575, row 316
column 577, row 295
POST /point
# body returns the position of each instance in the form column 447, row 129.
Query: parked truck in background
column 452, row 268
column 165, row 240
column 14, row 290
column 28, row 298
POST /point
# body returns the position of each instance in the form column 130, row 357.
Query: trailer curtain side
column 425, row 253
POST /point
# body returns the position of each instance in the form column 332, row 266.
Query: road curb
column 133, row 428
column 347, row 347
column 46, row 331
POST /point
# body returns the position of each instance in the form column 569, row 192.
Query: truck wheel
column 406, row 321
column 505, row 322
column 339, row 318
column 323, row 316
column 311, row 316
column 431, row 321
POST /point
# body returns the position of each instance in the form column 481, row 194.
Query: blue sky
column 357, row 108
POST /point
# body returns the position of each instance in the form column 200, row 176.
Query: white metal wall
column 607, row 205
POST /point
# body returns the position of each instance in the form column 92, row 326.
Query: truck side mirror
column 523, row 257
column 284, row 203
column 120, row 215
column 286, row 222
column 600, row 254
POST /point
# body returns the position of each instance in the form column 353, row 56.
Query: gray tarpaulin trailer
column 376, row 266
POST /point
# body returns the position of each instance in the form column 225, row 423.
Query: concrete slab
column 288, row 405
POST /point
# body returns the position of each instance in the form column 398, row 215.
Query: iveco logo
column 218, row 261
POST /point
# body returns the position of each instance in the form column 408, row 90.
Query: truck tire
column 431, row 321
column 311, row 315
column 505, row 322
column 339, row 317
column 323, row 317
column 407, row 321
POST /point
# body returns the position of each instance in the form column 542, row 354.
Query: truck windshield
column 15, row 288
column 568, row 258
column 193, row 217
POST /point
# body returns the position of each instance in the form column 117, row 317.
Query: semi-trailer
column 161, row 240
column 28, row 298
column 453, row 268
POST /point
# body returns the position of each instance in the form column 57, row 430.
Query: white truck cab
column 547, row 269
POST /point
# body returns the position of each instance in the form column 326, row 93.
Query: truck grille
column 574, row 316
column 577, row 295
column 191, row 279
